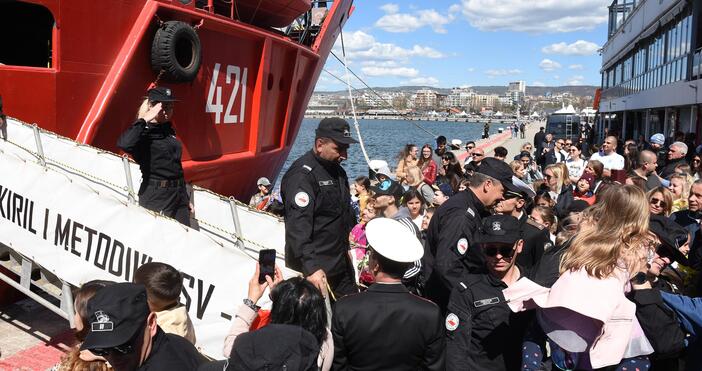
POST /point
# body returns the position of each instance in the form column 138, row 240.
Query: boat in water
column 243, row 70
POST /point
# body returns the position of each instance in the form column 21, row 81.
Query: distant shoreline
column 473, row 120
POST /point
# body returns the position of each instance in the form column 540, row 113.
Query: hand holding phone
column 266, row 261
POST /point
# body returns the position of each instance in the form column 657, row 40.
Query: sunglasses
column 506, row 251
column 568, row 143
column 477, row 155
column 572, row 150
column 446, row 158
column 527, row 148
column 658, row 202
column 695, row 160
column 469, row 147
column 548, row 176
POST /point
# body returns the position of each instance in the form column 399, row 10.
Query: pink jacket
column 594, row 310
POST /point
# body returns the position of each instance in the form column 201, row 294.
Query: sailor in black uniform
column 152, row 143
column 318, row 212
column 482, row 333
column 452, row 227
column 536, row 237
column 386, row 327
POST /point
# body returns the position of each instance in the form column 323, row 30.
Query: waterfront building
column 651, row 68
column 425, row 99
column 461, row 97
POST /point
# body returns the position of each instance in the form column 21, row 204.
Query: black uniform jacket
column 449, row 236
column 482, row 333
column 387, row 328
column 155, row 148
column 535, row 237
column 318, row 216
column 172, row 353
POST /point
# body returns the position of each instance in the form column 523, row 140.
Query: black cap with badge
column 499, row 170
column 161, row 94
column 116, row 312
column 499, row 229
column 671, row 235
column 336, row 129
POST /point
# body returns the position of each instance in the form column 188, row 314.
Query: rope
column 388, row 104
column 353, row 106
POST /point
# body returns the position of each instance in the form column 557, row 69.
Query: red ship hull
column 237, row 119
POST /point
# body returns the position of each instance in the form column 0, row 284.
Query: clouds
column 549, row 65
column 361, row 45
column 502, row 72
column 393, row 21
column 390, row 71
column 576, row 67
column 425, row 81
column 580, row 47
column 543, row 16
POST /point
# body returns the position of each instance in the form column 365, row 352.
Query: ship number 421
column 234, row 75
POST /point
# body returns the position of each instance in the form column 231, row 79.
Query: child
column 583, row 188
column 163, row 285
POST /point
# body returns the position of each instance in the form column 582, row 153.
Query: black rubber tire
column 177, row 51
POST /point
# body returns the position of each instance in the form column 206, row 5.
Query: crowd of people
column 568, row 255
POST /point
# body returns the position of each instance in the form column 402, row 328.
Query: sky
column 448, row 43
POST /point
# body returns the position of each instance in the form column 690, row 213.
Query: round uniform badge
column 462, row 246
column 452, row 322
column 302, row 199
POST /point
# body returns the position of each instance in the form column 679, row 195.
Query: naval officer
column 363, row 324
column 152, row 142
column 318, row 212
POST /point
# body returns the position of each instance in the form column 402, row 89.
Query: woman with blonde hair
column 415, row 180
column 557, row 180
column 660, row 201
column 585, row 315
column 680, row 189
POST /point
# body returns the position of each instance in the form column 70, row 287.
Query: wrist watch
column 249, row 303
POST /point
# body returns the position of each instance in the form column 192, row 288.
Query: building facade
column 651, row 68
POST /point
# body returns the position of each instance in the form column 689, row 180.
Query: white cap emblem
column 168, row 92
column 102, row 322
column 496, row 226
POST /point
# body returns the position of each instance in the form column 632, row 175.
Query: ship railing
column 225, row 231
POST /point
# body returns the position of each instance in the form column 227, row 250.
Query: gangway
column 69, row 214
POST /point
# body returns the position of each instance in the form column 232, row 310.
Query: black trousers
column 173, row 202
column 343, row 282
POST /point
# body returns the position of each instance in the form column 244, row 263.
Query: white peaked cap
column 456, row 142
column 393, row 240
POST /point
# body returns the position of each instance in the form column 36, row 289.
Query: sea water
column 384, row 139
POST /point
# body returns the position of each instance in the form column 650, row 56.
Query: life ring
column 176, row 50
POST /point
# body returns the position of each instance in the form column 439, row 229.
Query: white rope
column 353, row 106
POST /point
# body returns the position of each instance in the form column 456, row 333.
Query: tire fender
column 176, row 50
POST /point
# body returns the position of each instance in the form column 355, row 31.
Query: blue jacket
column 689, row 312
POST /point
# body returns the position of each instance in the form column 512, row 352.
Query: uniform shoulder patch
column 462, row 246
column 302, row 199
column 534, row 223
column 452, row 322
column 470, row 212
column 307, row 168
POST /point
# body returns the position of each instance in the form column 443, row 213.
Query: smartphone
column 266, row 262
